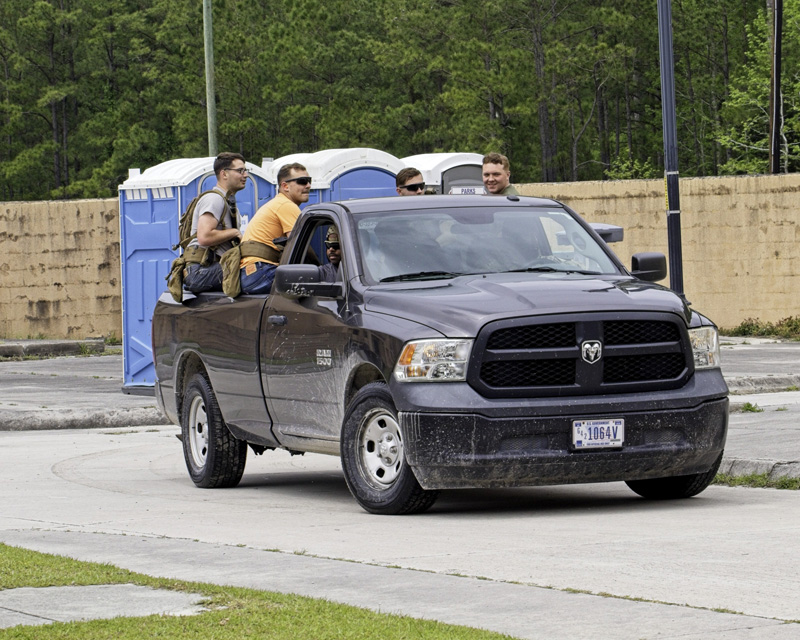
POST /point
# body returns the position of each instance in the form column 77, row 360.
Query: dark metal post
column 211, row 102
column 670, row 146
column 775, row 98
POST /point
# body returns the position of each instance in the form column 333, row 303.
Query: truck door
column 304, row 344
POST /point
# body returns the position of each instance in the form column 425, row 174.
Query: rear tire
column 373, row 456
column 214, row 458
column 677, row 487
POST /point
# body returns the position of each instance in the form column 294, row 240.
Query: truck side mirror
column 302, row 281
column 649, row 266
column 608, row 232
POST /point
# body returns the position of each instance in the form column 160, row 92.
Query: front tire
column 373, row 456
column 677, row 487
column 214, row 458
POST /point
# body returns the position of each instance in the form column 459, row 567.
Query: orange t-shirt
column 273, row 220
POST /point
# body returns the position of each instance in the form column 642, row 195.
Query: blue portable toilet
column 150, row 206
column 460, row 173
column 343, row 174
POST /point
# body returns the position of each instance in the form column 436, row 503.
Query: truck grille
column 525, row 357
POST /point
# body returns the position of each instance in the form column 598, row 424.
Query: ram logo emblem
column 591, row 351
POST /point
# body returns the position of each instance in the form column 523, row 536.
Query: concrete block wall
column 740, row 237
column 60, row 261
column 60, row 269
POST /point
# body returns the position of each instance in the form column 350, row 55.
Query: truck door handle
column 278, row 320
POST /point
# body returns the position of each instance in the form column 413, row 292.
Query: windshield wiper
column 553, row 270
column 421, row 275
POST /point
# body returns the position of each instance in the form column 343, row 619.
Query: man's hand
column 209, row 236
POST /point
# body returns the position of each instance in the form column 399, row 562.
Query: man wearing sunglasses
column 260, row 255
column 409, row 182
column 215, row 225
column 328, row 271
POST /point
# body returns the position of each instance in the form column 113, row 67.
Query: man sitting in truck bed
column 260, row 255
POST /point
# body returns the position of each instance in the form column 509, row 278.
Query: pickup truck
column 462, row 342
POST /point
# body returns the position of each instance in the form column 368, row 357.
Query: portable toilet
column 150, row 206
column 449, row 172
column 344, row 174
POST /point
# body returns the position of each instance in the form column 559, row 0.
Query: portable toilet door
column 460, row 173
column 150, row 205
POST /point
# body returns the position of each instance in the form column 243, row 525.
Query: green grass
column 788, row 328
column 757, row 481
column 234, row 614
column 748, row 407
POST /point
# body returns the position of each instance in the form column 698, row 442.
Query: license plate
column 598, row 434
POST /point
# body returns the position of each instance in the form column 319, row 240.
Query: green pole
column 211, row 103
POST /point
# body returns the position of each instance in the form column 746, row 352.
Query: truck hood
column 461, row 306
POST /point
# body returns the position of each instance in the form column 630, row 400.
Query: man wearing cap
column 328, row 271
column 497, row 175
column 260, row 254
column 214, row 224
column 409, row 182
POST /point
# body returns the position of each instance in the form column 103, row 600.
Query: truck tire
column 213, row 456
column 676, row 487
column 373, row 457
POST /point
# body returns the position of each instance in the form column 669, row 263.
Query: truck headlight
column 705, row 347
column 433, row 361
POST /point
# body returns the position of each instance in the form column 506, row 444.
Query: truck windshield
column 444, row 243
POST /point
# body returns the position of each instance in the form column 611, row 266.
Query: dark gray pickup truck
column 464, row 341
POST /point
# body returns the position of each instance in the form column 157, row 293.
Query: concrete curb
column 50, row 348
column 762, row 384
column 738, row 467
column 105, row 419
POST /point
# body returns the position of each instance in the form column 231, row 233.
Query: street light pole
column 775, row 99
column 211, row 103
column 670, row 146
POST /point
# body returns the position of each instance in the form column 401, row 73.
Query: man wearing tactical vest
column 215, row 224
column 260, row 255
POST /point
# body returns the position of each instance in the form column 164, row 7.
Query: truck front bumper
column 463, row 451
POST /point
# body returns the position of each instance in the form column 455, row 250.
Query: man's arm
column 209, row 236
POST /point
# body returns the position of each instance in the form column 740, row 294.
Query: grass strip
column 757, row 481
column 234, row 613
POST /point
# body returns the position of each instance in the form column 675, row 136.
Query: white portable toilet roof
column 179, row 173
column 433, row 165
column 325, row 166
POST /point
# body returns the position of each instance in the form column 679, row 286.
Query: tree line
column 568, row 89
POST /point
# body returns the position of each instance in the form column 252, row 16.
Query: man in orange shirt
column 274, row 220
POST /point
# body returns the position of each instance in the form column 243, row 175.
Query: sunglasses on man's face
column 417, row 186
column 302, row 181
column 332, row 245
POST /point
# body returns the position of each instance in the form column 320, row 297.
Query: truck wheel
column 676, row 487
column 373, row 456
column 213, row 456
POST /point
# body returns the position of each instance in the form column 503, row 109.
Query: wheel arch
column 190, row 363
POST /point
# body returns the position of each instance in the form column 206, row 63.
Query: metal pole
column 670, row 146
column 775, row 98
column 211, row 103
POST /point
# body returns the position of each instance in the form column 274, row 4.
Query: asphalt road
column 545, row 562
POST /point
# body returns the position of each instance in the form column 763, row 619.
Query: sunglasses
column 417, row 186
column 332, row 245
column 303, row 181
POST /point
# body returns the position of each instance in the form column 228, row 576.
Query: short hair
column 286, row 171
column 497, row 158
column 224, row 160
column 404, row 174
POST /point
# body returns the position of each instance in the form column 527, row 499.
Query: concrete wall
column 740, row 237
column 60, row 269
column 60, row 261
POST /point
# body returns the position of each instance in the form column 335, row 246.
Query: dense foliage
column 570, row 90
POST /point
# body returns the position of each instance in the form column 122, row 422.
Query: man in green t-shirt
column 497, row 175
